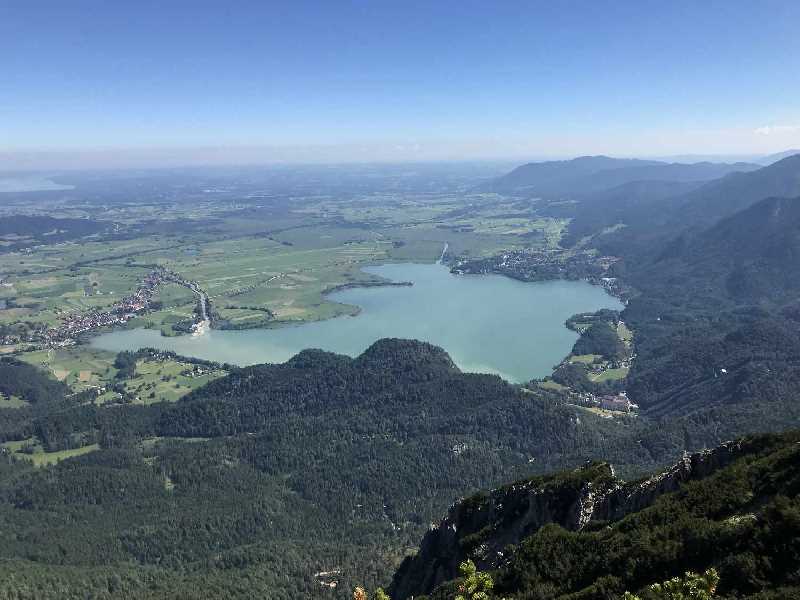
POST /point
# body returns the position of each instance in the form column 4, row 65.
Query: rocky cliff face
column 484, row 527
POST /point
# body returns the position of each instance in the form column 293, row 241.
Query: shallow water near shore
column 487, row 323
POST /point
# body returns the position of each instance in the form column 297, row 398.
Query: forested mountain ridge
column 746, row 259
column 595, row 212
column 717, row 307
column 773, row 158
column 737, row 191
column 756, row 250
column 585, row 534
column 650, row 214
column 324, row 462
column 539, row 177
column 716, row 277
column 591, row 174
column 276, row 472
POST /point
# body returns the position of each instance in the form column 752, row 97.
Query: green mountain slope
column 264, row 478
column 753, row 255
column 653, row 219
column 585, row 534
column 737, row 191
column 715, row 307
column 592, row 174
column 773, row 158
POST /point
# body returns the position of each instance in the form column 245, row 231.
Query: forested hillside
column 279, row 472
column 24, row 231
column 656, row 220
column 584, row 534
column 737, row 191
column 591, row 174
column 28, row 383
column 717, row 307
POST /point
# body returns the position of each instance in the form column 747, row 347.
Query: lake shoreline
column 492, row 324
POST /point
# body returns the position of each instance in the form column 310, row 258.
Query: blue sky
column 441, row 79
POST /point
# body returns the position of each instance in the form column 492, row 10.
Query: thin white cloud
column 777, row 129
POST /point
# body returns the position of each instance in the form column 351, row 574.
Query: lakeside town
column 538, row 265
column 140, row 301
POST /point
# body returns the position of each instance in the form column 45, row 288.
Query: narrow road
column 444, row 251
column 205, row 324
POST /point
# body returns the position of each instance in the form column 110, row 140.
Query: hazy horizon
column 115, row 85
column 190, row 158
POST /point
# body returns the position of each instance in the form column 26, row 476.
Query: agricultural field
column 32, row 451
column 254, row 258
column 163, row 381
column 80, row 367
column 609, row 375
column 264, row 258
column 84, row 367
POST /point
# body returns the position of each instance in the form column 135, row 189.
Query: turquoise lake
column 487, row 323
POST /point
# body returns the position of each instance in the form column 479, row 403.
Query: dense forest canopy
column 734, row 510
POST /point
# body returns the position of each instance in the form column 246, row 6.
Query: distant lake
column 487, row 323
column 30, row 184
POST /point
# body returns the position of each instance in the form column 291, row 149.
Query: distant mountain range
column 772, row 158
column 718, row 276
column 736, row 191
column 589, row 174
column 757, row 250
column 654, row 212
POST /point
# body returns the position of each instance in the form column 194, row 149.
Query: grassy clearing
column 625, row 334
column 45, row 260
column 468, row 243
column 384, row 210
column 550, row 230
column 11, row 402
column 163, row 381
column 419, row 251
column 173, row 295
column 549, row 384
column 580, row 327
column 17, row 445
column 80, row 367
column 41, row 458
column 600, row 412
column 149, row 443
column 260, row 273
column 609, row 375
column 585, row 359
